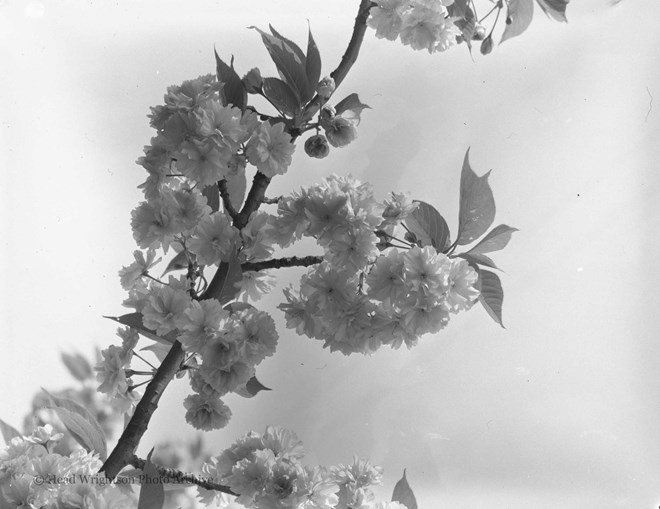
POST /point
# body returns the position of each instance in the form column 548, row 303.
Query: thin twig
column 182, row 477
column 279, row 263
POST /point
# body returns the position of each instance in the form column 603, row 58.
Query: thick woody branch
column 226, row 200
column 280, row 263
column 179, row 477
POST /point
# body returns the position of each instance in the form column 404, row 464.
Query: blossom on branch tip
column 206, row 413
column 340, row 131
column 164, row 308
column 212, row 239
column 132, row 273
column 270, row 149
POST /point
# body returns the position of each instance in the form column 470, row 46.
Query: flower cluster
column 31, row 475
column 361, row 297
column 420, row 24
column 266, row 472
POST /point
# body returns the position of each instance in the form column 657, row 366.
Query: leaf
column 152, row 494
column 555, row 9
column 8, row 431
column 496, row 240
column 290, row 62
column 159, row 350
column 478, row 259
column 458, row 9
column 222, row 285
column 134, row 320
column 518, row 17
column 313, row 62
column 251, row 388
column 428, row 226
column 237, row 186
column 281, row 95
column 467, row 24
column 350, row 107
column 179, row 262
column 78, row 366
column 233, row 93
column 477, row 206
column 82, row 425
column 403, row 493
column 492, row 296
column 212, row 195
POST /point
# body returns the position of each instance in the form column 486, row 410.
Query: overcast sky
column 561, row 409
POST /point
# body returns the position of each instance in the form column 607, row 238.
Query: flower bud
column 479, row 33
column 317, row 146
column 326, row 87
column 340, row 131
column 252, row 81
column 487, row 45
column 327, row 114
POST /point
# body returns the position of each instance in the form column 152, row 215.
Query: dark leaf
column 491, row 294
column 212, row 195
column 486, row 45
column 477, row 206
column 179, row 262
column 135, row 320
column 233, row 93
column 467, row 24
column 458, row 9
column 290, row 62
column 478, row 259
column 158, row 349
column 78, row 366
column 496, row 240
column 350, row 107
column 152, row 494
column 82, row 425
column 518, row 17
column 428, row 226
column 222, row 286
column 555, row 9
column 251, row 388
column 313, row 63
column 281, row 95
column 403, row 493
column 8, row 431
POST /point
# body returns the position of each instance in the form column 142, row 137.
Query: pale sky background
column 560, row 410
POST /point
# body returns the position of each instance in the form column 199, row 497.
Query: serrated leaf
column 492, row 295
column 519, row 15
column 496, row 240
column 290, row 63
column 251, row 388
column 134, row 320
column 152, row 494
column 478, row 259
column 555, row 9
column 428, row 226
column 403, row 493
column 78, row 366
column 477, row 206
column 8, row 431
column 222, row 285
column 212, row 195
column 350, row 107
column 82, row 425
column 232, row 93
column 281, row 95
column 179, row 262
column 313, row 62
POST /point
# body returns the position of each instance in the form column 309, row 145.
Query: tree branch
column 226, row 200
column 279, row 263
column 130, row 438
column 182, row 477
column 347, row 61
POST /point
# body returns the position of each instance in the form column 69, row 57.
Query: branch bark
column 280, row 263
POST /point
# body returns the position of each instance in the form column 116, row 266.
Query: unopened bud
column 487, row 45
column 252, row 81
column 326, row 87
column 317, row 146
column 479, row 33
column 327, row 114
